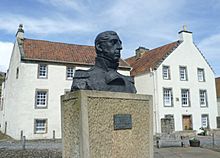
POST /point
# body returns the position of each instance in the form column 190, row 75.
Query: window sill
column 40, row 132
column 40, row 107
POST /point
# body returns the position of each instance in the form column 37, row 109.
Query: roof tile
column 150, row 59
column 60, row 52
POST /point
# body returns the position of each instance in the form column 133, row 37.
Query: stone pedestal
column 90, row 128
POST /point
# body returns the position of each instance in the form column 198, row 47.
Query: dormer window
column 42, row 71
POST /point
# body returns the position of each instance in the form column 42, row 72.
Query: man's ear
column 98, row 47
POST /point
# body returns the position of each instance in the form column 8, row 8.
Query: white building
column 39, row 73
column 217, row 82
column 181, row 81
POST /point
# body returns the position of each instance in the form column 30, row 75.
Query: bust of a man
column 103, row 76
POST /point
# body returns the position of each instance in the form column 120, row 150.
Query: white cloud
column 210, row 47
column 5, row 54
column 139, row 23
column 53, row 25
column 76, row 5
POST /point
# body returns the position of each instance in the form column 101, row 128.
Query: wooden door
column 187, row 122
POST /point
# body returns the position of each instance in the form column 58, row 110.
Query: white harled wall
column 186, row 54
column 19, row 98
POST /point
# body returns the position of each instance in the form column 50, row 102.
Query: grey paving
column 53, row 149
column 189, row 152
column 39, row 144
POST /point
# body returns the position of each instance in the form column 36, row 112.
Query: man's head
column 108, row 46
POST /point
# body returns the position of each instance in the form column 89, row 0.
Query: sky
column 146, row 23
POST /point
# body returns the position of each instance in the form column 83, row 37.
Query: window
column 201, row 75
column 69, row 73
column 166, row 72
column 1, row 103
column 205, row 121
column 40, row 126
column 203, row 98
column 168, row 97
column 42, row 71
column 183, row 73
column 41, row 98
column 185, row 97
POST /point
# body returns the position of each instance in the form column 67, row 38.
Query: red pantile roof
column 60, row 52
column 151, row 58
column 217, row 83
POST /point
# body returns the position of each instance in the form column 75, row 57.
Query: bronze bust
column 103, row 76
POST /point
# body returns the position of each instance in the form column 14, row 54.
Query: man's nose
column 119, row 46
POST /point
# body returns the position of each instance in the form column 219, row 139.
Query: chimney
column 20, row 32
column 184, row 35
column 140, row 51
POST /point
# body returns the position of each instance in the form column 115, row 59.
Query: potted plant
column 194, row 142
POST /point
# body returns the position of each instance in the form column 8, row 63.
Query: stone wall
column 167, row 124
column 88, row 125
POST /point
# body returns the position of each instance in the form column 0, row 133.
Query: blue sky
column 138, row 22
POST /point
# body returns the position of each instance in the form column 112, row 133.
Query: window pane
column 42, row 71
column 41, row 99
column 40, row 126
column 204, row 120
column 203, row 98
column 167, row 95
column 185, row 97
column 183, row 74
column 69, row 72
column 166, row 72
column 201, row 75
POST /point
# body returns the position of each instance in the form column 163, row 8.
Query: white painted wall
column 10, row 97
column 146, row 84
column 185, row 55
column 19, row 101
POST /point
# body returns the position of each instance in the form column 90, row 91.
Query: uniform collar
column 105, row 64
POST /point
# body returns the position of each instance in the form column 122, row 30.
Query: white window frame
column 203, row 98
column 183, row 73
column 40, row 126
column 70, row 72
column 167, row 97
column 185, row 97
column 42, row 71
column 166, row 72
column 205, row 120
column 41, row 98
column 201, row 74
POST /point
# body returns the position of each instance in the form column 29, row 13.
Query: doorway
column 187, row 122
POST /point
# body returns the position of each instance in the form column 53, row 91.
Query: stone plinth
column 88, row 125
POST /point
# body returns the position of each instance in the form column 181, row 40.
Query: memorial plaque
column 122, row 121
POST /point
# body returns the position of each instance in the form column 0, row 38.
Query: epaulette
column 81, row 74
